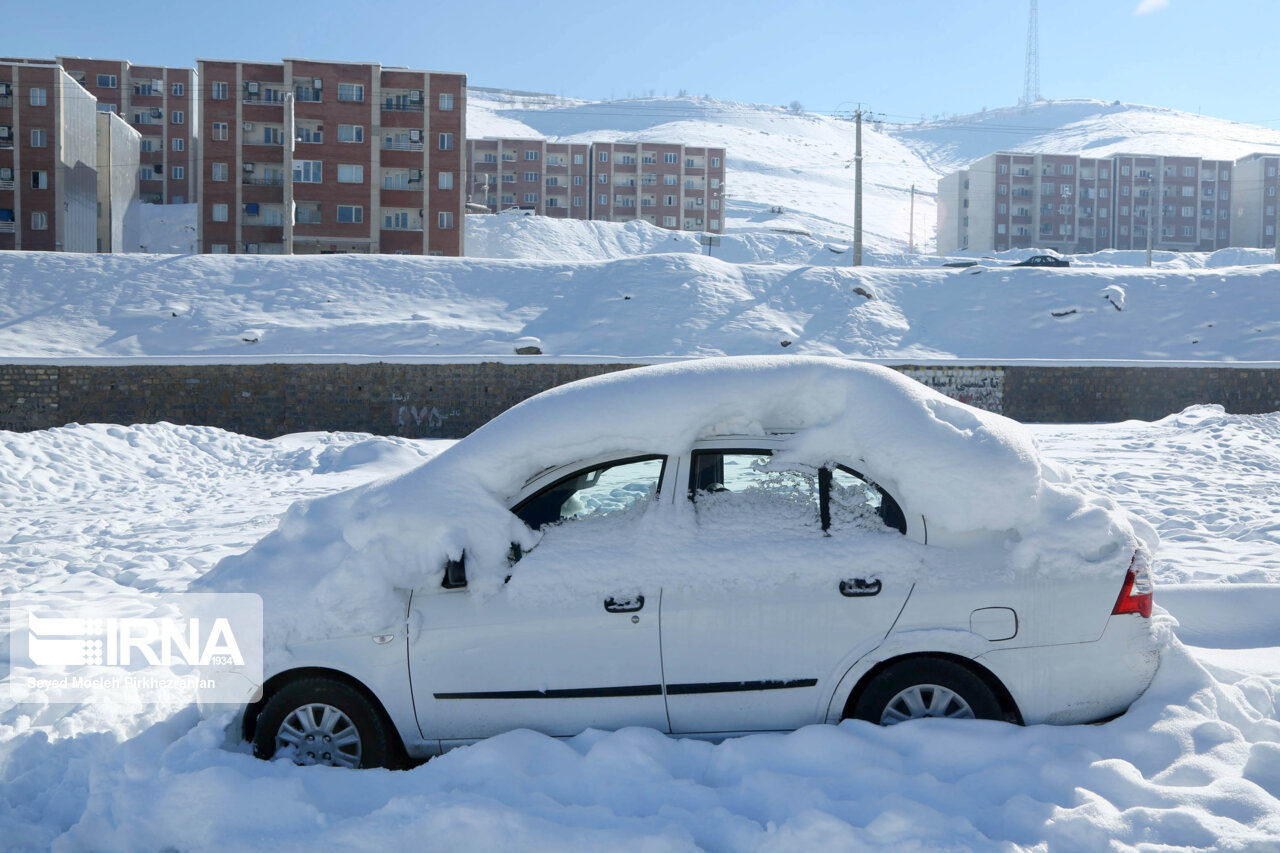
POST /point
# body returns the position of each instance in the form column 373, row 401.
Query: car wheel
column 926, row 687
column 322, row 721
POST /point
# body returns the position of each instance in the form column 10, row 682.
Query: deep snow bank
column 60, row 305
column 338, row 562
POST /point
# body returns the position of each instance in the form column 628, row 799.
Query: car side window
column 855, row 500
column 600, row 490
column 738, row 485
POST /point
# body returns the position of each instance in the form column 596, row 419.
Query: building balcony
column 412, row 226
column 261, row 181
column 392, row 145
column 401, row 107
column 277, row 101
column 6, row 185
column 8, row 227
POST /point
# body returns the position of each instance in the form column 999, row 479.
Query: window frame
column 539, row 486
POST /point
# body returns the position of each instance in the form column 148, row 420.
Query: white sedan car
column 706, row 549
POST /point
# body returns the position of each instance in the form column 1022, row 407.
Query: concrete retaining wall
column 450, row 400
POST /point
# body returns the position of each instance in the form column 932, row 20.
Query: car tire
column 323, row 721
column 926, row 687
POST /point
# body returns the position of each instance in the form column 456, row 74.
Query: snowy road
column 1194, row 765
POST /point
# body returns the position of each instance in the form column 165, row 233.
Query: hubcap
column 925, row 700
column 320, row 734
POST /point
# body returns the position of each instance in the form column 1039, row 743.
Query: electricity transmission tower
column 1031, row 75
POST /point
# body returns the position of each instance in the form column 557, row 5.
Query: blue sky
column 904, row 58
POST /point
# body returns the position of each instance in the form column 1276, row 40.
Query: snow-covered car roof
column 968, row 472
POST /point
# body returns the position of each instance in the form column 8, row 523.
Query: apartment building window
column 577, row 180
column 715, row 204
column 1188, row 211
column 1004, row 189
column 671, row 157
column 307, row 214
column 1224, row 214
column 219, row 91
column 106, row 81
column 1046, row 189
column 307, row 171
column 39, row 138
column 39, row 97
column 602, row 199
column 1124, row 210
column 669, row 222
column 715, row 183
column 1003, row 209
column 444, row 180
column 531, row 155
column 531, row 176
column 1188, row 171
column 603, row 157
column 553, row 181
column 178, row 117
column 219, row 213
column 178, row 143
column 446, row 102
column 577, row 159
column 220, row 131
column 627, row 159
column 1124, row 191
column 218, row 248
column 1124, row 171
column 446, row 142
column 577, row 201
column 1271, row 191
column 309, row 134
column 508, row 178
column 444, row 219
column 1000, row 228
column 1068, row 169
column 350, row 213
column 39, row 220
column 178, row 90
column 1188, row 192
column 178, row 172
column 670, row 180
column 1187, row 231
column 108, row 108
column 668, row 200
column 530, row 198
column 1004, row 168
column 553, row 202
column 1104, row 192
column 1226, row 175
column 351, row 133
column 1225, row 195
column 219, row 172
column 40, row 180
column 350, row 92
column 603, row 178
column 715, row 164
column 350, row 174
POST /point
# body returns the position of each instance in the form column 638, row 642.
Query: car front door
column 765, row 653
column 547, row 651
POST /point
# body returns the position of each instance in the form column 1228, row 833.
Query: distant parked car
column 1043, row 261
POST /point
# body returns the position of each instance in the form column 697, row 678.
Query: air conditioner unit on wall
column 4, row 90
column 317, row 83
column 248, row 126
column 248, row 167
column 5, row 130
column 251, row 87
column 415, row 96
column 415, row 136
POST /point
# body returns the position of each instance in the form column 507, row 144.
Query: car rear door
column 765, row 654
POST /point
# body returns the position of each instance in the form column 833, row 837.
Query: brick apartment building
column 1255, row 190
column 666, row 184
column 162, row 104
column 48, row 159
column 305, row 157
column 1069, row 204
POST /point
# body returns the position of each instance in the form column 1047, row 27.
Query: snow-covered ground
column 646, row 302
column 1194, row 765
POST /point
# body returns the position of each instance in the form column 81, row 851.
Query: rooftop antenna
column 1031, row 76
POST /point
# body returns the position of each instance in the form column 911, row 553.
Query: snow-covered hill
column 801, row 163
column 666, row 304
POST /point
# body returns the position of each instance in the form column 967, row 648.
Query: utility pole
column 911, row 231
column 857, row 190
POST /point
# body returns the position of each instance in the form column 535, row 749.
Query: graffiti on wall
column 980, row 387
column 406, row 414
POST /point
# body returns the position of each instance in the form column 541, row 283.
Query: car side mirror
column 455, row 574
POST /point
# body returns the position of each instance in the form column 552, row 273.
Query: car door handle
column 859, row 587
column 627, row 604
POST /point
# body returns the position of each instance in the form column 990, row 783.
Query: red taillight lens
column 1136, row 594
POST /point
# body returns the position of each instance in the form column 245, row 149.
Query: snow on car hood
column 340, row 564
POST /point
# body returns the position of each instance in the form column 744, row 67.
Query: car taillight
column 1136, row 594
